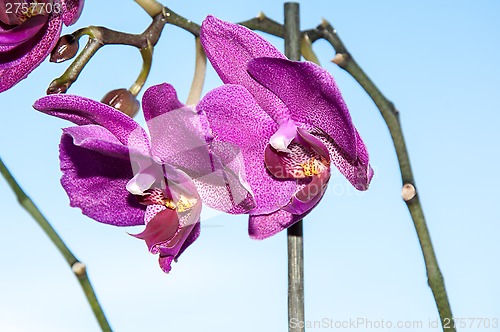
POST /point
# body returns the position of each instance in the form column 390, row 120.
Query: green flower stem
column 147, row 60
column 77, row 267
column 391, row 116
column 295, row 237
column 62, row 83
column 152, row 7
column 101, row 36
column 200, row 69
column 263, row 23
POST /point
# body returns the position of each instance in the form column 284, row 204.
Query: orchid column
column 294, row 233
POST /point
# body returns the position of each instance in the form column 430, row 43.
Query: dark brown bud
column 123, row 100
column 65, row 49
column 58, row 86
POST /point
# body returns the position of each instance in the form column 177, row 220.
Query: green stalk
column 409, row 192
column 77, row 267
column 200, row 70
column 152, row 7
column 295, row 236
column 147, row 60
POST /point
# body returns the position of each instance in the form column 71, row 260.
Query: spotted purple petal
column 237, row 119
column 311, row 96
column 177, row 135
column 23, row 48
column 263, row 226
column 96, row 169
column 71, row 10
column 189, row 235
column 358, row 172
column 230, row 47
column 82, row 111
column 17, row 62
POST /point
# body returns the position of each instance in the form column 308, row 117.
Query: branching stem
column 391, row 116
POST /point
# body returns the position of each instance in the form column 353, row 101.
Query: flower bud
column 58, row 86
column 123, row 100
column 65, row 49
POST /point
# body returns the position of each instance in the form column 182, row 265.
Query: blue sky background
column 438, row 61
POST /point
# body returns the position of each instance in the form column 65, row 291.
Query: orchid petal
column 230, row 47
column 98, row 139
column 165, row 263
column 82, row 111
column 17, row 62
column 193, row 234
column 235, row 118
column 311, row 95
column 226, row 188
column 263, row 226
column 71, row 11
column 177, row 135
column 189, row 234
column 358, row 172
column 159, row 100
column 96, row 170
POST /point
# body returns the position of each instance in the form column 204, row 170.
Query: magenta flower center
column 304, row 161
column 156, row 196
column 305, row 156
column 314, row 166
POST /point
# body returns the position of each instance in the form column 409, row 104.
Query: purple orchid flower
column 118, row 175
column 289, row 120
column 29, row 30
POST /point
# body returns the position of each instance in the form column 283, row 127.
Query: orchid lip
column 309, row 160
column 162, row 228
column 156, row 196
column 307, row 157
column 309, row 196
